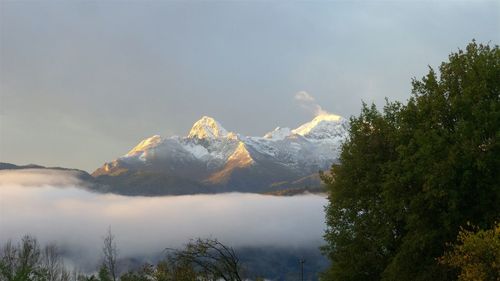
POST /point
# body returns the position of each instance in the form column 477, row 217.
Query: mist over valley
column 55, row 207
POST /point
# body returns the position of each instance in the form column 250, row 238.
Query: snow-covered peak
column 210, row 154
column 207, row 127
column 323, row 126
column 145, row 145
column 278, row 133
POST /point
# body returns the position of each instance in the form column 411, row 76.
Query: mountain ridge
column 213, row 159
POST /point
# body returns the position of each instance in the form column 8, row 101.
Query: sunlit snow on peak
column 328, row 117
column 322, row 122
column 145, row 145
column 207, row 127
column 211, row 148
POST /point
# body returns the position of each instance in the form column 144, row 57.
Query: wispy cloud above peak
column 307, row 102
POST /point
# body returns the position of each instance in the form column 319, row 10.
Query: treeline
column 200, row 259
column 28, row 261
column 414, row 176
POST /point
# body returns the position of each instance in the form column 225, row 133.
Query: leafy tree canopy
column 476, row 254
column 412, row 174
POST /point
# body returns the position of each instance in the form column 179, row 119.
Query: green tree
column 104, row 274
column 411, row 175
column 476, row 254
column 360, row 232
column 22, row 262
column 145, row 274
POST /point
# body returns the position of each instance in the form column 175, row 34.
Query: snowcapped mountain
column 213, row 159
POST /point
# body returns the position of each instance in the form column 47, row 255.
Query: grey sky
column 81, row 82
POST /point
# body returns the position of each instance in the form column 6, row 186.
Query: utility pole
column 302, row 261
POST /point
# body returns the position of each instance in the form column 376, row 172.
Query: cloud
column 78, row 219
column 304, row 96
column 308, row 102
column 38, row 177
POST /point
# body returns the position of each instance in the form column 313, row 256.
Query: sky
column 82, row 82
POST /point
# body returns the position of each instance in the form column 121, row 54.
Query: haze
column 51, row 206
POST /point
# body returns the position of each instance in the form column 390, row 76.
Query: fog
column 52, row 206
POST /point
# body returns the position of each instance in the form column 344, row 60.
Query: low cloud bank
column 38, row 177
column 32, row 201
